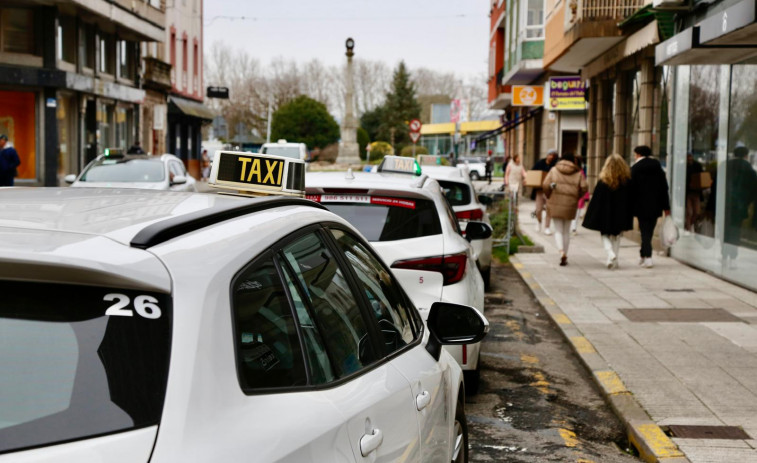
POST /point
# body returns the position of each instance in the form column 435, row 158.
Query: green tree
column 371, row 121
column 305, row 120
column 362, row 141
column 400, row 107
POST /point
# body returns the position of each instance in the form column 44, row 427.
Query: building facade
column 69, row 80
column 714, row 112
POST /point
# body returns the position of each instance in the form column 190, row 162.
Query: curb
column 653, row 445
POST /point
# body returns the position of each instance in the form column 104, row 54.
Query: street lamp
column 350, row 44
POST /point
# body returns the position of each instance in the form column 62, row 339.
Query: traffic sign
column 415, row 126
column 218, row 92
column 415, row 136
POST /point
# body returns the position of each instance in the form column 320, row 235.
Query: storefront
column 714, row 120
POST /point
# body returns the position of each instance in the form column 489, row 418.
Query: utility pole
column 268, row 129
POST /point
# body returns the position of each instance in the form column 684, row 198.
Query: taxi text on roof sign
column 258, row 173
column 400, row 164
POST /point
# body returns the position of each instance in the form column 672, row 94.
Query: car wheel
column 474, row 175
column 472, row 379
column 486, row 274
column 460, row 452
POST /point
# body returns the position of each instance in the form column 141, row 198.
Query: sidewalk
column 668, row 346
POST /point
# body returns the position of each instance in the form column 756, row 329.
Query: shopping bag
column 669, row 232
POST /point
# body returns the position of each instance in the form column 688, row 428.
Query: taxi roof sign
column 400, row 165
column 253, row 173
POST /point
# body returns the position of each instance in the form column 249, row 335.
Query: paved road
column 537, row 403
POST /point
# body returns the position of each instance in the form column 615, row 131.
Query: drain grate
column 681, row 290
column 707, row 432
column 680, row 315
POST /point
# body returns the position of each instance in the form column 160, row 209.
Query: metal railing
column 605, row 9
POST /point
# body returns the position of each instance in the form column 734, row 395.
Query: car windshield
column 458, row 194
column 79, row 361
column 125, row 170
column 380, row 220
column 285, row 151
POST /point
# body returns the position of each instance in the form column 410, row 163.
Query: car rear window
column 79, row 361
column 125, row 170
column 381, row 218
column 285, row 151
column 458, row 194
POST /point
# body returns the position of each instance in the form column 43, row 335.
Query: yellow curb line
column 582, row 345
column 611, row 382
column 562, row 319
column 658, row 444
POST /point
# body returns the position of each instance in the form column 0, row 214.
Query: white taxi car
column 461, row 195
column 412, row 226
column 162, row 172
column 286, row 149
column 161, row 326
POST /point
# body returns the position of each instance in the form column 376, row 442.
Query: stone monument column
column 348, row 148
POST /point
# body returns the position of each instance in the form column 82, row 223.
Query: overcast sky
column 444, row 35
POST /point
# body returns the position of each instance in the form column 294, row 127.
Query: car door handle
column 422, row 400
column 370, row 442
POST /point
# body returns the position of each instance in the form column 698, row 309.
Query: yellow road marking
column 569, row 437
column 611, row 382
column 525, row 358
column 659, row 443
column 541, row 383
column 581, row 460
column 583, row 346
column 562, row 319
column 514, row 326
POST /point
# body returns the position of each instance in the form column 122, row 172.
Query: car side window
column 269, row 354
column 332, row 302
column 382, row 292
column 451, row 216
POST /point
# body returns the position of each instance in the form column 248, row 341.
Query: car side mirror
column 485, row 200
column 452, row 324
column 179, row 180
column 477, row 231
column 70, row 178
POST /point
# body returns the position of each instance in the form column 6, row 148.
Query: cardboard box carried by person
column 700, row 181
column 535, row 178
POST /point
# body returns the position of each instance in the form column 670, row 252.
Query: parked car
column 151, row 326
column 163, row 172
column 286, row 149
column 476, row 166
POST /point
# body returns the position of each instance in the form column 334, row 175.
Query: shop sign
column 527, row 95
column 732, row 19
column 565, row 93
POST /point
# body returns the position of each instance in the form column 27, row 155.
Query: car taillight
column 465, row 354
column 473, row 214
column 451, row 267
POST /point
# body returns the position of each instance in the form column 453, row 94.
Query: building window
column 66, row 42
column 17, row 30
column 535, row 20
column 125, row 59
column 173, row 58
column 87, row 37
column 107, row 54
column 184, row 60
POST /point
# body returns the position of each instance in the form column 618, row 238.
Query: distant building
column 69, row 80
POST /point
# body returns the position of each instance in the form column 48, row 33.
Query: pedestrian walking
column 489, row 167
column 609, row 211
column 563, row 186
column 136, row 148
column 649, row 193
column 9, row 162
column 538, row 194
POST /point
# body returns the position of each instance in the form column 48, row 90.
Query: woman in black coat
column 609, row 210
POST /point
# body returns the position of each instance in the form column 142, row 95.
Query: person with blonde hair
column 609, row 210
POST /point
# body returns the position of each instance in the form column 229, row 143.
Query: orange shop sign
column 528, row 95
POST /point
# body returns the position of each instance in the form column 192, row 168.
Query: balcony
column 138, row 21
column 578, row 31
column 157, row 74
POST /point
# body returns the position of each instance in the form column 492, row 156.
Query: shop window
column 704, row 107
column 66, row 40
column 106, row 117
column 17, row 30
column 741, row 166
column 107, row 54
column 17, row 121
column 633, row 122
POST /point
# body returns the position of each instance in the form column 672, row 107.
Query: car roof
column 373, row 183
column 132, row 217
column 444, row 173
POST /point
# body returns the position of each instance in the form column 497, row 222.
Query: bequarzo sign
column 565, row 93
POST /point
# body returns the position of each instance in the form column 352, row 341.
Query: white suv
column 286, row 149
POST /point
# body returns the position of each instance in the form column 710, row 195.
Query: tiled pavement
column 699, row 371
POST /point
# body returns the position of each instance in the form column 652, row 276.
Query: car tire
column 460, row 451
column 472, row 379
column 486, row 276
column 474, row 175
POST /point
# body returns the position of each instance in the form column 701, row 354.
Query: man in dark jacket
column 9, row 162
column 649, row 192
column 537, row 194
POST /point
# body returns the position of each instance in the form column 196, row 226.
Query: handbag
column 669, row 233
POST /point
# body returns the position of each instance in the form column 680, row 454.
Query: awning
column 644, row 37
column 727, row 37
column 510, row 125
column 183, row 106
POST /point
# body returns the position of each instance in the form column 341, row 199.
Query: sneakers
column 647, row 263
column 612, row 262
column 548, row 231
column 641, row 261
column 563, row 260
column 538, row 227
